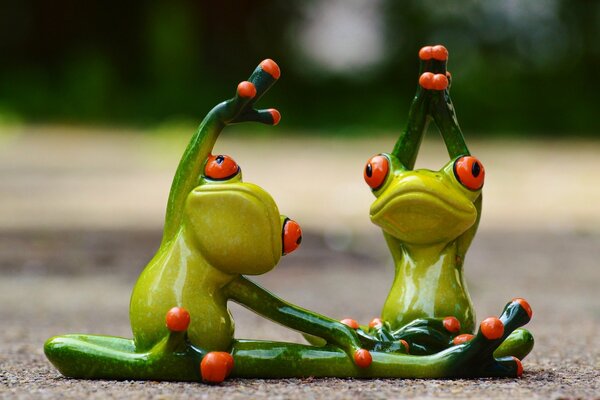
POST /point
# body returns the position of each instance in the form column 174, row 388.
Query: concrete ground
column 81, row 214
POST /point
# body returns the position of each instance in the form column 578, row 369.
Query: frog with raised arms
column 217, row 229
column 429, row 219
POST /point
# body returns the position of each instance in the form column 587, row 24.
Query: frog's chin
column 421, row 217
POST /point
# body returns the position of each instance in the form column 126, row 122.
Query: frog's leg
column 95, row 356
column 254, row 359
column 238, row 109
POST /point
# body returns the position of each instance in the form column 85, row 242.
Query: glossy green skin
column 216, row 231
column 429, row 220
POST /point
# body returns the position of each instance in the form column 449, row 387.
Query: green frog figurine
column 218, row 229
column 429, row 219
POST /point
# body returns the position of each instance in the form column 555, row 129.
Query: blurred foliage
column 518, row 66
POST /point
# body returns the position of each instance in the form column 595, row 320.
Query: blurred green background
column 521, row 67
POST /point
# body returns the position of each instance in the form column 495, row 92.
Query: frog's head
column 423, row 207
column 236, row 225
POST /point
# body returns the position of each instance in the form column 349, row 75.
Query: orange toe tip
column 276, row 115
column 519, row 367
column 271, row 67
column 426, row 80
column 177, row 319
column 405, row 344
column 375, row 323
column 439, row 53
column 439, row 82
column 525, row 306
column 464, row 338
column 492, row 328
column 425, row 53
column 350, row 322
column 452, row 324
column 216, row 366
column 363, row 358
column 246, row 90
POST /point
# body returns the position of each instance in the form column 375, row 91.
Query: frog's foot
column 216, row 366
column 481, row 348
column 520, row 342
column 428, row 335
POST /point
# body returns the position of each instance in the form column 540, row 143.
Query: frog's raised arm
column 237, row 109
column 432, row 101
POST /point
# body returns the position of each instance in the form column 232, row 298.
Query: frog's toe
column 376, row 323
column 439, row 53
column 508, row 367
column 271, row 68
column 464, row 338
column 363, row 358
column 216, row 366
column 246, row 90
column 524, row 305
column 451, row 324
column 431, row 81
column 492, row 328
column 177, row 319
column 352, row 323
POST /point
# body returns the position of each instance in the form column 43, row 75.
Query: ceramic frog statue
column 217, row 229
column 429, row 218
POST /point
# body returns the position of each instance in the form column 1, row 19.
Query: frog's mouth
column 419, row 213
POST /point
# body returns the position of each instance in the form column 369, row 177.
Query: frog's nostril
column 291, row 235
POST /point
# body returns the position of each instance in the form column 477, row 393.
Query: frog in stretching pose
column 218, row 229
column 429, row 219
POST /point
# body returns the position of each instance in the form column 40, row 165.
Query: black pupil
column 220, row 160
column 476, row 169
column 369, row 170
column 299, row 240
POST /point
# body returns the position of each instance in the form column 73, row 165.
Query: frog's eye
column 220, row 168
column 469, row 172
column 291, row 235
column 376, row 171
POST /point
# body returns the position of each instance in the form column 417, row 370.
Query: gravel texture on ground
column 80, row 215
column 65, row 282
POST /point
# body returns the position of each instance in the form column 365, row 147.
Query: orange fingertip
column 246, row 90
column 375, row 323
column 426, row 80
column 525, row 306
column 439, row 52
column 271, row 67
column 452, row 324
column 363, row 358
column 425, row 53
column 177, row 319
column 519, row 367
column 275, row 115
column 464, row 338
column 439, row 82
column 350, row 322
column 405, row 344
column 492, row 328
column 216, row 366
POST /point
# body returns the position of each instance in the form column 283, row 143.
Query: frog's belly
column 409, row 300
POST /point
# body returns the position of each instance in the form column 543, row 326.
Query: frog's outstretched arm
column 259, row 300
column 238, row 109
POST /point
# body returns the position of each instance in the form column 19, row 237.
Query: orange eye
column 376, row 171
column 292, row 236
column 469, row 172
column 220, row 168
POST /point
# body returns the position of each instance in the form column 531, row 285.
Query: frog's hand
column 257, row 299
column 106, row 357
column 435, row 80
column 240, row 108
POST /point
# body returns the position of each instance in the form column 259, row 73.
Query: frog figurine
column 429, row 219
column 218, row 229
